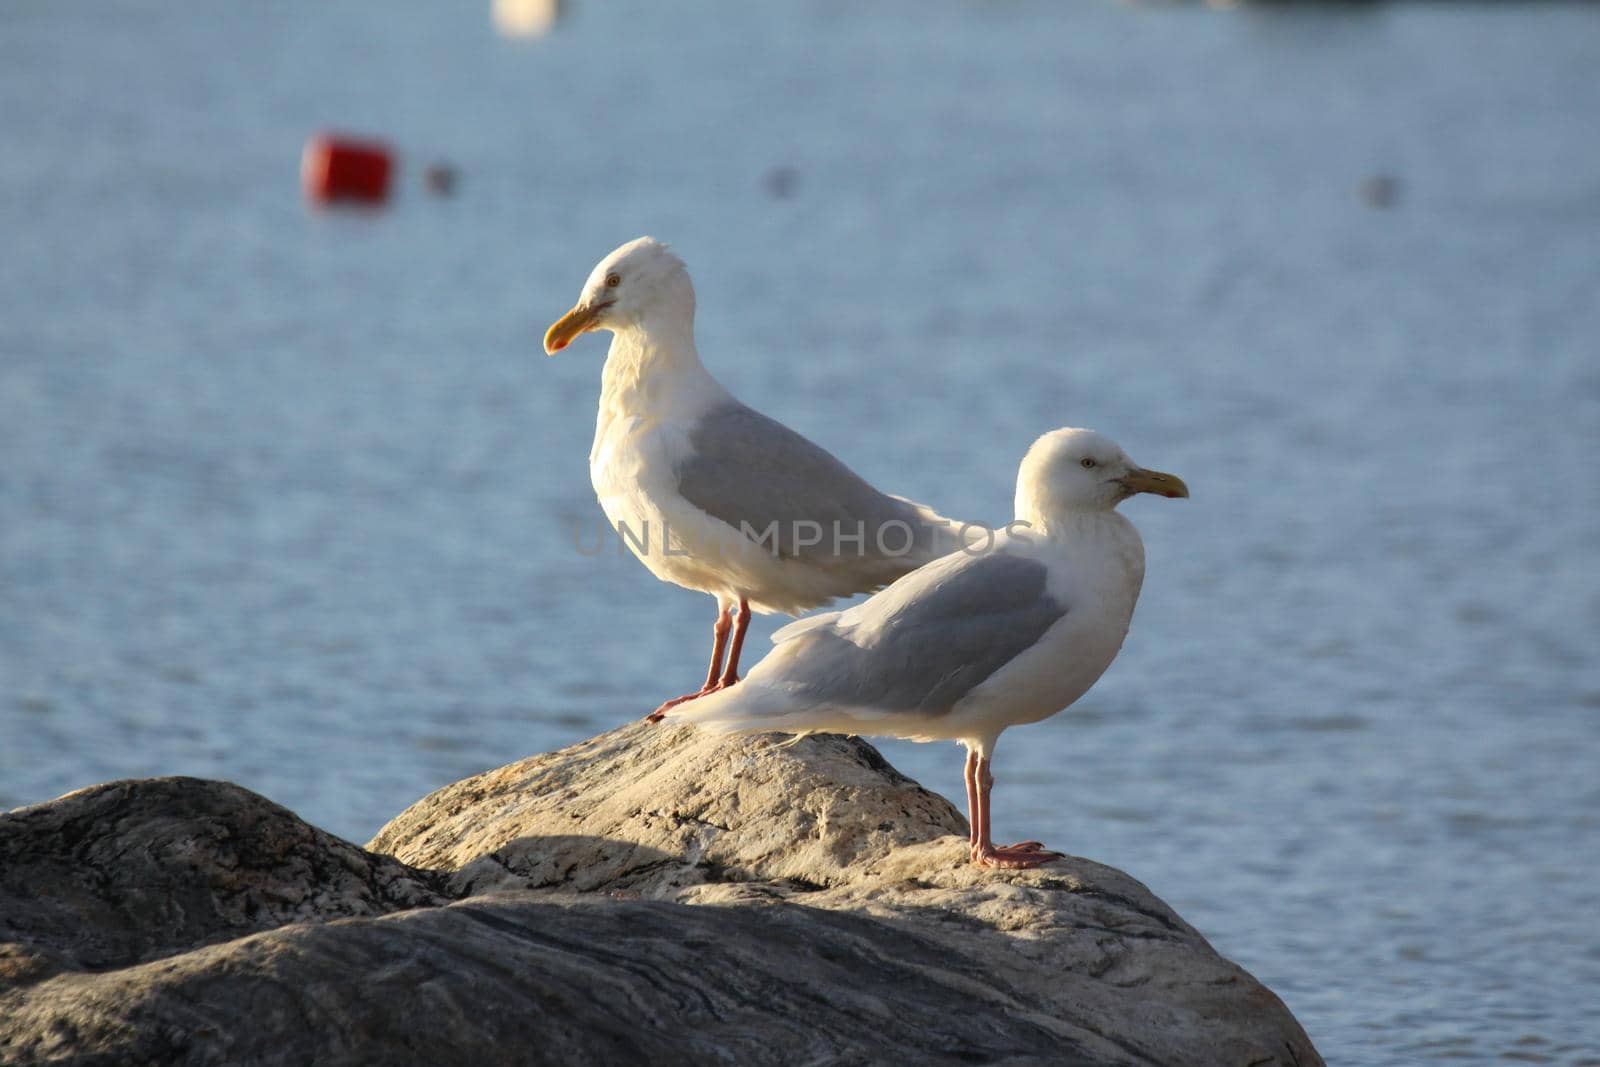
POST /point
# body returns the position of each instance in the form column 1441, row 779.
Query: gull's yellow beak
column 1140, row 480
column 579, row 320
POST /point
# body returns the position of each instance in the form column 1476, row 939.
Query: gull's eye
column 613, row 280
column 1087, row 463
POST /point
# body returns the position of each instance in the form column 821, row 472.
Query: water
column 288, row 497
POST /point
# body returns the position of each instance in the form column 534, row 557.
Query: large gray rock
column 126, row 872
column 653, row 895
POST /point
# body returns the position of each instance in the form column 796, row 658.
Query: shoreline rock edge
column 652, row 894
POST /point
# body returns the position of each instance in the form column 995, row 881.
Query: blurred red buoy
column 340, row 168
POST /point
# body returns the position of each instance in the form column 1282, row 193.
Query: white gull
column 974, row 642
column 712, row 495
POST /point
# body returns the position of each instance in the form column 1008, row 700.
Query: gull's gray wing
column 923, row 643
column 756, row 475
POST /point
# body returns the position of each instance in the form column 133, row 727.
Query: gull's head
column 1071, row 470
column 639, row 286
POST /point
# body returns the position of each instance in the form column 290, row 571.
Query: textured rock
column 131, row 871
column 651, row 895
column 653, row 809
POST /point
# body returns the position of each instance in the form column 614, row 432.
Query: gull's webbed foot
column 1022, row 855
column 660, row 712
column 717, row 686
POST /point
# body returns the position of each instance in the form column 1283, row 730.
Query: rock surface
column 652, row 895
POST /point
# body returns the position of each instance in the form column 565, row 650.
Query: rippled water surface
column 288, row 497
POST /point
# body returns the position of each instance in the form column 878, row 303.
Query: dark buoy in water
column 781, row 182
column 1380, row 191
column 440, row 178
column 335, row 168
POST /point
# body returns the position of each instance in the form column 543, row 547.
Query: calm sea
column 289, row 497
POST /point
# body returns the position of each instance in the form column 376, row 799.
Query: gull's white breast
column 1097, row 572
column 642, row 437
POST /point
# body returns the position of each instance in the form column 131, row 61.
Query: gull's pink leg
column 971, row 776
column 986, row 853
column 719, row 641
column 731, row 675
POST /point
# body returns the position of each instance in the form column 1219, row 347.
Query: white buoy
column 526, row 18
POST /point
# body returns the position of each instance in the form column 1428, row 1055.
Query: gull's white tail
column 751, row 705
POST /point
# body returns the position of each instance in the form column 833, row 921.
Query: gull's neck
column 654, row 369
column 1049, row 516
column 1088, row 524
column 1086, row 530
column 1105, row 546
